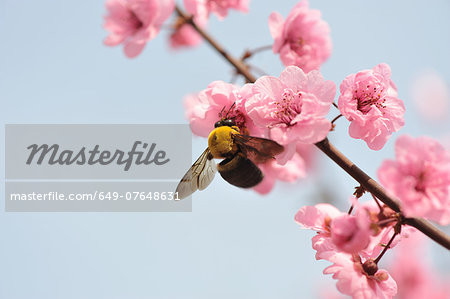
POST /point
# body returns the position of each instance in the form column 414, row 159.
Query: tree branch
column 325, row 146
column 240, row 67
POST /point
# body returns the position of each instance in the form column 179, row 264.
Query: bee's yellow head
column 221, row 142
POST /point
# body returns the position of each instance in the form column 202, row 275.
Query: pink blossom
column 377, row 241
column 412, row 271
column 354, row 279
column 364, row 236
column 369, row 101
column 350, row 233
column 135, row 22
column 317, row 217
column 184, row 35
column 203, row 8
column 303, row 39
column 380, row 233
column 293, row 170
column 324, row 247
column 420, row 178
column 292, row 108
column 204, row 109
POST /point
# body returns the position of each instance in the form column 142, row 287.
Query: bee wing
column 199, row 176
column 259, row 150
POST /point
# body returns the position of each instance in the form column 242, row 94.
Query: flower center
column 297, row 44
column 133, row 21
column 420, row 185
column 289, row 106
column 369, row 96
column 237, row 116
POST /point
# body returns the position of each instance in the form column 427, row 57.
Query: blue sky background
column 235, row 244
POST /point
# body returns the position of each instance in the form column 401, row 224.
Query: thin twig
column 336, row 118
column 388, row 245
column 386, row 221
column 377, row 202
column 259, row 49
column 238, row 65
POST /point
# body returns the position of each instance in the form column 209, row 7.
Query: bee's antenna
column 231, row 107
column 221, row 112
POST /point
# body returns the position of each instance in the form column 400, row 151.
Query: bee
column 240, row 153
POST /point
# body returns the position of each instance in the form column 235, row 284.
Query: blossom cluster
column 135, row 22
column 303, row 39
column 420, row 179
column 352, row 242
column 409, row 265
column 368, row 99
column 290, row 109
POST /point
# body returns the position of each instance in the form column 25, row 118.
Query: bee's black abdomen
column 240, row 171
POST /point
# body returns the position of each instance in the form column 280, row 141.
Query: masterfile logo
column 53, row 155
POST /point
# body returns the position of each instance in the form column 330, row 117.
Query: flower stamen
column 288, row 107
column 369, row 97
